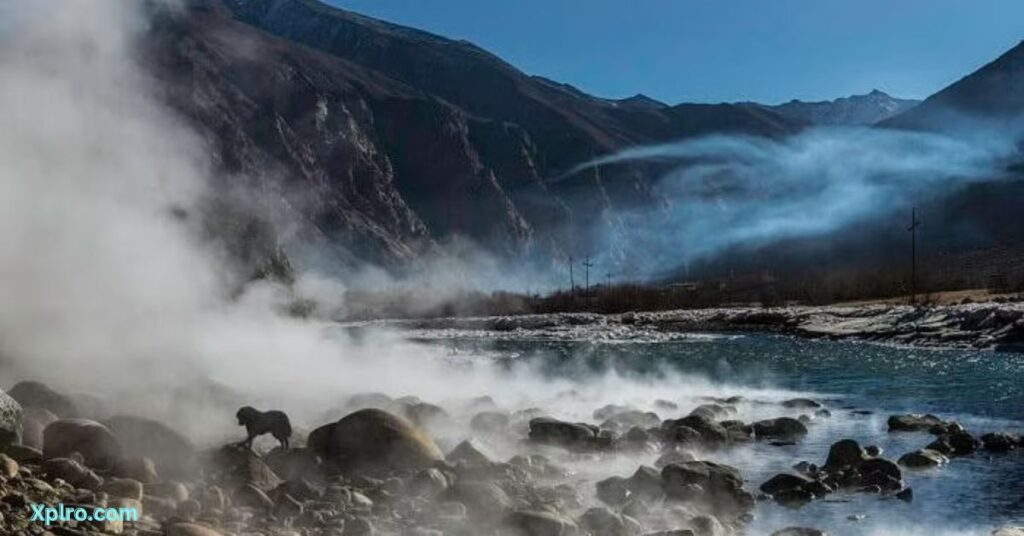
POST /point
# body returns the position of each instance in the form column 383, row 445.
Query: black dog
column 258, row 422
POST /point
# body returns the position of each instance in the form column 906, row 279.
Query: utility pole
column 572, row 282
column 587, row 264
column 914, row 224
column 608, row 279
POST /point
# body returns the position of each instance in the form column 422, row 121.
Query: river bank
column 990, row 326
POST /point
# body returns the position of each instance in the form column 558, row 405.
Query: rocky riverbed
column 996, row 326
column 404, row 466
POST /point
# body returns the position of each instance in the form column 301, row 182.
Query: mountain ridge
column 438, row 136
column 402, row 139
column 866, row 109
column 990, row 93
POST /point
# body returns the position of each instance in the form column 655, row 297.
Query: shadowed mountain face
column 383, row 140
column 866, row 109
column 993, row 93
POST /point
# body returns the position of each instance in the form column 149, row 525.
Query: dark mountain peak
column 865, row 109
column 995, row 92
column 643, row 100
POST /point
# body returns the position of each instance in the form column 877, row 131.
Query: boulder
column 720, row 487
column 799, row 531
column 253, row 497
column 783, row 429
column 550, row 431
column 801, row 403
column 212, row 498
column 359, row 527
column 645, row 483
column 955, row 444
column 882, row 473
column 141, row 469
column 708, row 526
column 609, row 411
column 714, row 412
column 845, row 453
column 8, row 466
column 963, row 443
column 1001, row 442
column 683, row 435
column 189, row 509
column 541, row 523
column 10, row 420
column 923, row 458
column 613, row 491
column 425, row 415
column 71, row 472
column 538, row 466
column 372, row 440
column 95, row 442
column 784, row 482
column 604, row 522
column 483, row 402
column 628, row 419
column 23, row 454
column 490, row 421
column 232, row 466
column 191, row 529
column 428, row 483
column 470, row 452
column 711, row 432
column 913, row 422
column 299, row 489
column 636, row 437
column 483, row 499
column 123, row 488
column 369, row 401
column 674, row 456
column 40, row 395
column 171, row 490
column 665, row 404
column 173, row 453
column 293, row 463
column 739, row 431
column 159, row 507
column 33, row 422
column 287, row 507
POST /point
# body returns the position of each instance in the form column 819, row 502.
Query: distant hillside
column 866, row 109
column 383, row 141
column 994, row 93
column 406, row 138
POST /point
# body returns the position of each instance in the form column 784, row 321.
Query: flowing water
column 861, row 384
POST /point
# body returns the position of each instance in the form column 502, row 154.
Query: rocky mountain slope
column 866, row 109
column 383, row 141
column 395, row 138
column 992, row 93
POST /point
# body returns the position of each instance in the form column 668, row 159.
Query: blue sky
column 727, row 50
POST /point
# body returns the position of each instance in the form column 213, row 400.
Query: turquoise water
column 862, row 385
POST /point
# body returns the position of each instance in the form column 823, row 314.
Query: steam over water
column 861, row 384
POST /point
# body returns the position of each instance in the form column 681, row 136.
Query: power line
column 914, row 224
column 572, row 281
column 587, row 264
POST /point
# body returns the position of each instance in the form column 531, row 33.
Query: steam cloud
column 740, row 191
column 105, row 290
column 108, row 291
